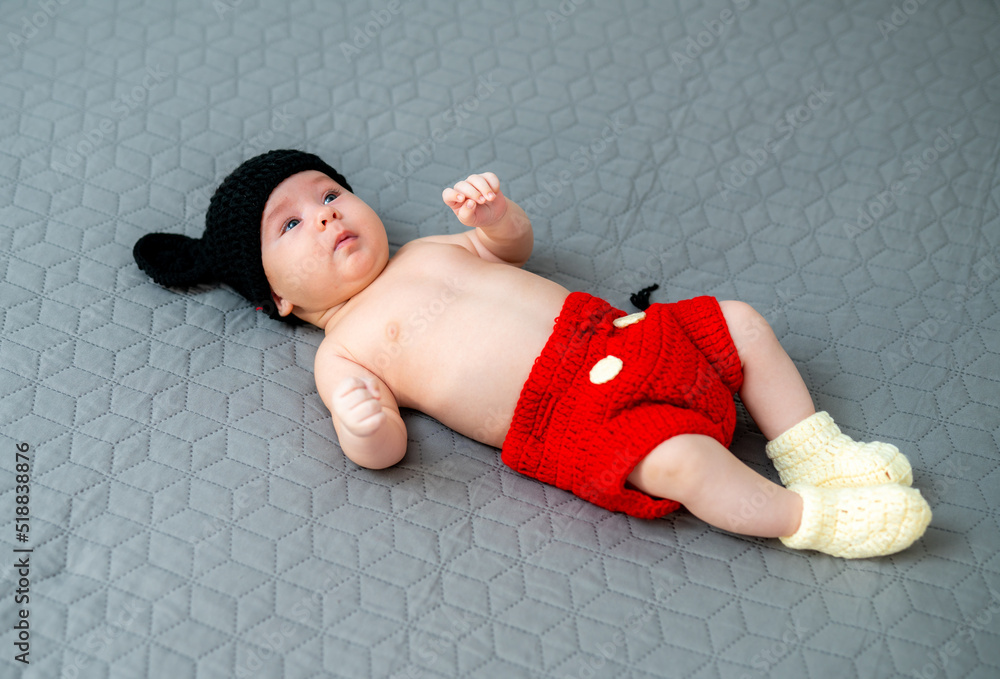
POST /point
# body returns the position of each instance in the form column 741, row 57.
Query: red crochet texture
column 680, row 372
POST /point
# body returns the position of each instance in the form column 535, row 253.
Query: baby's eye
column 330, row 197
column 290, row 224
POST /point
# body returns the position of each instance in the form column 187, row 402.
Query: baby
column 631, row 412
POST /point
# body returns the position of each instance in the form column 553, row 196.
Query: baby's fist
column 477, row 201
column 356, row 405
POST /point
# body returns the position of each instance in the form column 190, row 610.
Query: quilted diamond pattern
column 833, row 164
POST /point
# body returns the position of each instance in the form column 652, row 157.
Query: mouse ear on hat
column 171, row 259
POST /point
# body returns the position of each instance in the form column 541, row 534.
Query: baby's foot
column 855, row 523
column 817, row 453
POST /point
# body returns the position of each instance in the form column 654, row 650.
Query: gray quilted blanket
column 187, row 512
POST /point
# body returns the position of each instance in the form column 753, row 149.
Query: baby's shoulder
column 330, row 351
column 334, row 362
column 437, row 242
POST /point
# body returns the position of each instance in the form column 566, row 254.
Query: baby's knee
column 673, row 467
column 748, row 328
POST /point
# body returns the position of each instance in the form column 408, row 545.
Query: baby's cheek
column 295, row 279
column 292, row 275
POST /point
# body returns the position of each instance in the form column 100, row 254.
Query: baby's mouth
column 343, row 239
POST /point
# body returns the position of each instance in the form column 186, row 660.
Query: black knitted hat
column 229, row 250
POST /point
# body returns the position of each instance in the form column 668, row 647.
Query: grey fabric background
column 191, row 515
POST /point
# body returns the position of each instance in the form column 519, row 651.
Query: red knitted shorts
column 679, row 371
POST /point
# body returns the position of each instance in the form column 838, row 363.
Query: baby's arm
column 364, row 411
column 501, row 226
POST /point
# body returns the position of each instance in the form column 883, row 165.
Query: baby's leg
column 705, row 477
column 701, row 474
column 806, row 446
column 773, row 391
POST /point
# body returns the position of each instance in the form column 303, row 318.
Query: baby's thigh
column 746, row 325
column 676, row 467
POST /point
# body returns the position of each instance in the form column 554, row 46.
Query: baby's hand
column 477, row 201
column 356, row 404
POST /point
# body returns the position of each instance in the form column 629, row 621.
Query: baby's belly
column 467, row 368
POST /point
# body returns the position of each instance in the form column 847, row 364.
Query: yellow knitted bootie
column 817, row 453
column 855, row 523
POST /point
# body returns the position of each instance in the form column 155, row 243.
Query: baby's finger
column 372, row 386
column 371, row 424
column 367, row 408
column 452, row 197
column 467, row 213
column 470, row 191
column 482, row 186
column 492, row 180
column 355, row 398
column 348, row 385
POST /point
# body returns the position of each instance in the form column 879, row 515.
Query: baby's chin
column 320, row 297
column 323, row 292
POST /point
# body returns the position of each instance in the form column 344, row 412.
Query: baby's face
column 320, row 244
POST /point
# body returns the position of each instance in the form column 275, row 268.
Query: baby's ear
column 282, row 305
column 171, row 259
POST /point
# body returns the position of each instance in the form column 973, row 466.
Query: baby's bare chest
column 454, row 336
